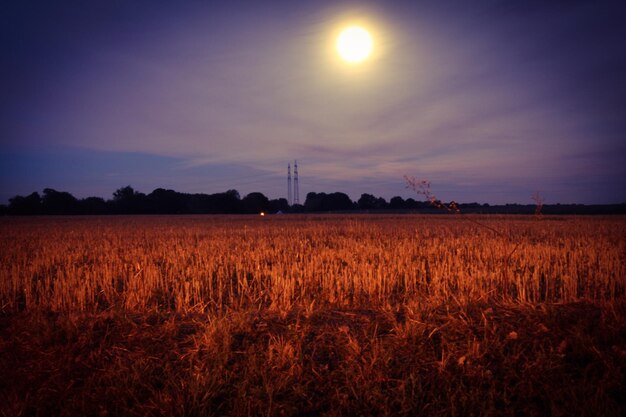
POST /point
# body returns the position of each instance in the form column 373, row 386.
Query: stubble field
column 440, row 315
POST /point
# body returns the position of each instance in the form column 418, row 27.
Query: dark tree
column 255, row 203
column 337, row 201
column 127, row 200
column 93, row 205
column 313, row 201
column 297, row 208
column 59, row 202
column 124, row 193
column 29, row 205
column 233, row 194
column 228, row 202
column 328, row 202
column 397, row 203
column 163, row 201
column 277, row 205
column 410, row 203
column 199, row 204
column 367, row 202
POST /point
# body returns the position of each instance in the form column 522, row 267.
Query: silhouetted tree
column 227, row 202
column 93, row 205
column 277, row 205
column 255, row 203
column 124, row 193
column 409, row 203
column 199, row 204
column 297, row 208
column 28, row 205
column 234, row 194
column 127, row 200
column 313, row 201
column 328, row 202
column 163, row 201
column 337, row 201
column 397, row 203
column 367, row 202
column 59, row 202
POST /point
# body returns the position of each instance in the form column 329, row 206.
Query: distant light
column 262, row 213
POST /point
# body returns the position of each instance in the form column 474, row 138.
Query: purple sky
column 490, row 101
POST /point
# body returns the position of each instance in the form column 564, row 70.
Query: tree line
column 127, row 200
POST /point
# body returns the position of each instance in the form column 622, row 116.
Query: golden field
column 313, row 315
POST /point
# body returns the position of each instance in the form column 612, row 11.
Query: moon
column 354, row 44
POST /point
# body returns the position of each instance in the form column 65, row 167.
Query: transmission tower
column 296, row 196
column 289, row 184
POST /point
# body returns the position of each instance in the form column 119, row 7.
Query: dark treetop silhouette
column 127, row 200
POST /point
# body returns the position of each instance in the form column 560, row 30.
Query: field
column 440, row 315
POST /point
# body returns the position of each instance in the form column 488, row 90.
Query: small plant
column 423, row 187
column 539, row 201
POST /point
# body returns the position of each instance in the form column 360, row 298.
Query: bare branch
column 539, row 201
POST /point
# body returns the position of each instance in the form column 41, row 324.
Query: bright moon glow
column 354, row 44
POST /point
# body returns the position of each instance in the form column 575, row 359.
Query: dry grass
column 312, row 315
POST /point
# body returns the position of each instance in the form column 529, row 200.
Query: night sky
column 489, row 100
